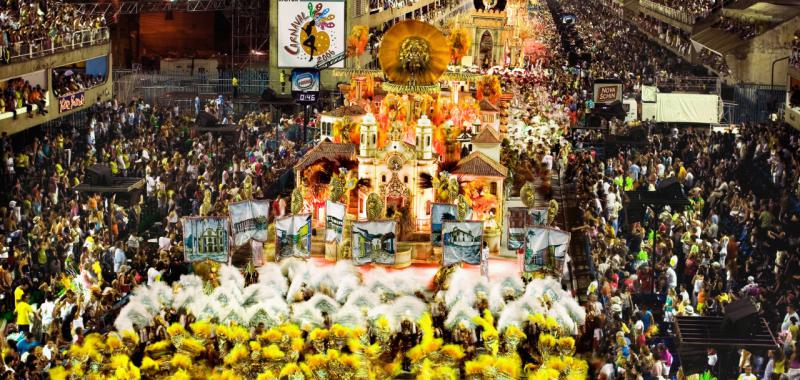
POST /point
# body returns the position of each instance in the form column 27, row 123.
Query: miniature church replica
column 394, row 170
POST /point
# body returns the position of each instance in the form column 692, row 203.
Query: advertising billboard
column 607, row 91
column 310, row 32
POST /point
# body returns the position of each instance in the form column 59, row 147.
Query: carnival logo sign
column 71, row 101
column 309, row 32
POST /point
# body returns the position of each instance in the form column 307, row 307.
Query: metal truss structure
column 248, row 18
column 135, row 7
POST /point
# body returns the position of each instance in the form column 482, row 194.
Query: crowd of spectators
column 672, row 36
column 715, row 61
column 18, row 93
column 732, row 241
column 695, row 9
column 32, row 28
column 49, row 232
column 69, row 81
column 744, row 29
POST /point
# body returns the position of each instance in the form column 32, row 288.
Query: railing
column 703, row 85
column 24, row 50
column 672, row 13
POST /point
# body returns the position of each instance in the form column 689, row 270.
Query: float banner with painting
column 205, row 238
column 439, row 213
column 293, row 236
column 374, row 242
column 249, row 221
column 517, row 219
column 546, row 249
column 334, row 221
column 462, row 242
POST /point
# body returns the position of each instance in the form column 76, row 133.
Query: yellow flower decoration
column 149, row 363
column 238, row 353
column 202, row 328
column 175, row 329
column 272, row 352
column 181, row 361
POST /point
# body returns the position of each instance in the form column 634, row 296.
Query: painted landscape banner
column 517, row 219
column 334, row 221
column 205, row 238
column 537, row 216
column 293, row 236
column 439, row 213
column 546, row 249
column 249, row 220
column 559, row 244
column 462, row 242
column 536, row 245
column 374, row 242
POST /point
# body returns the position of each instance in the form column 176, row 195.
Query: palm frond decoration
column 425, row 181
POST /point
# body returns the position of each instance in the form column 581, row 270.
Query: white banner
column 687, row 108
column 249, row 221
column 546, row 248
column 462, row 241
column 536, row 245
column 334, row 221
column 374, row 242
column 310, row 32
column 293, row 236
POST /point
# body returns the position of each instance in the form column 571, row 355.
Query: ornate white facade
column 394, row 170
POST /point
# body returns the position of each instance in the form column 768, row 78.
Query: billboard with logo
column 310, row 32
column 305, row 80
column 607, row 91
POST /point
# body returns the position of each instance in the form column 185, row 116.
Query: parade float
column 424, row 132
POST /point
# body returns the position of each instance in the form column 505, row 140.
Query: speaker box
column 98, row 175
column 741, row 318
column 205, row 120
column 669, row 184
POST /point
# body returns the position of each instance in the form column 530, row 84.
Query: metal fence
column 154, row 87
column 753, row 103
column 24, row 50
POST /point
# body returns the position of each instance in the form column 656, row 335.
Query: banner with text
column 462, row 242
column 374, row 242
column 249, row 221
column 205, row 238
column 293, row 236
column 71, row 101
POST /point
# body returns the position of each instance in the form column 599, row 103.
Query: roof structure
column 354, row 110
column 464, row 137
column 487, row 135
column 486, row 106
column 478, row 164
column 328, row 150
column 707, row 332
